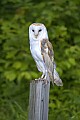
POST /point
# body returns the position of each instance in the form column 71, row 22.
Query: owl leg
column 46, row 80
column 43, row 75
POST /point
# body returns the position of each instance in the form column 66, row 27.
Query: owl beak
column 36, row 35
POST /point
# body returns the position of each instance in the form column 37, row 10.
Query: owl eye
column 40, row 30
column 33, row 30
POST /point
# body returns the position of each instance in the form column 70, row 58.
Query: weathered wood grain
column 39, row 99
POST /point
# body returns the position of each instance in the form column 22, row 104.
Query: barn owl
column 42, row 52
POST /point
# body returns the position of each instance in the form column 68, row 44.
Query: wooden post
column 39, row 99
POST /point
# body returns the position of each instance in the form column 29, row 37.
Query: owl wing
column 46, row 48
column 48, row 58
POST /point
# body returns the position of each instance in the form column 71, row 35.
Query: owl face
column 37, row 31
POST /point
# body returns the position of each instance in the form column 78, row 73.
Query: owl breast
column 36, row 51
column 36, row 54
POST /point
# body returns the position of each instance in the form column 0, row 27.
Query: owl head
column 37, row 31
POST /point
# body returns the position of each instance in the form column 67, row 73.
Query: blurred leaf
column 17, row 65
column 10, row 75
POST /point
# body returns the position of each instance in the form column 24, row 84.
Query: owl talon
column 36, row 79
column 46, row 81
column 39, row 79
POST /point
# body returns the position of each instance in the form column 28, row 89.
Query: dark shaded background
column 17, row 67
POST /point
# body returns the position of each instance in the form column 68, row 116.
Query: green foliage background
column 17, row 67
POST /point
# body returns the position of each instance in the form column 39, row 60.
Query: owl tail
column 57, row 79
